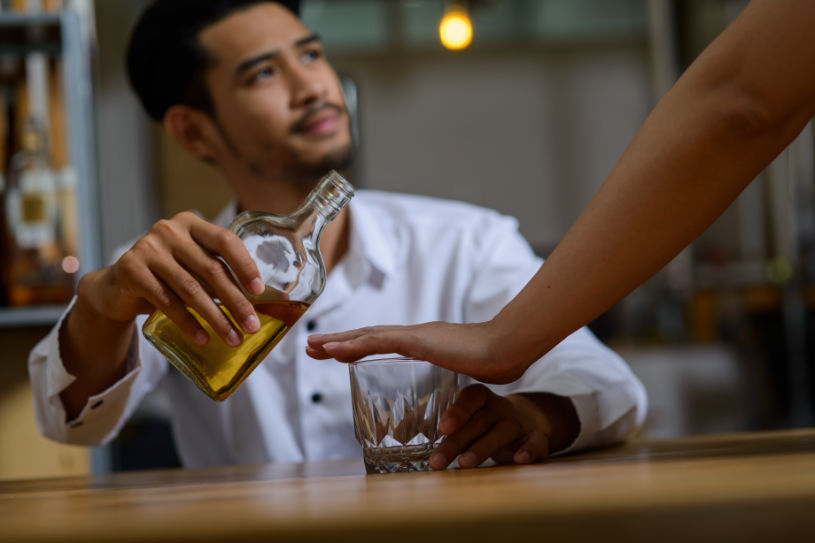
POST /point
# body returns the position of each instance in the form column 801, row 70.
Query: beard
column 308, row 173
column 302, row 172
column 338, row 158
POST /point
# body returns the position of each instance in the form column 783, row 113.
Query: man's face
column 278, row 104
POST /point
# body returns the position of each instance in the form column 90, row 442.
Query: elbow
column 747, row 115
column 749, row 111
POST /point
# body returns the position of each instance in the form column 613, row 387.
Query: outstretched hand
column 469, row 349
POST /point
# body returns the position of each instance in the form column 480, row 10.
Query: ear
column 192, row 129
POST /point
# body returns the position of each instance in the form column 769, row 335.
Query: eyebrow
column 263, row 57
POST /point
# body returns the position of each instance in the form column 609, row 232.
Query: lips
column 319, row 122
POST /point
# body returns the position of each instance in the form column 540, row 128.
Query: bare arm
column 740, row 104
column 743, row 100
column 173, row 266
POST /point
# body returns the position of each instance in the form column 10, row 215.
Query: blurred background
column 528, row 118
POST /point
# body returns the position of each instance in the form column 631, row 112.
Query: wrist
column 98, row 301
column 87, row 317
column 516, row 344
column 555, row 416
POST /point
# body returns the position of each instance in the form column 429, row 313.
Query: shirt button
column 311, row 325
column 316, row 397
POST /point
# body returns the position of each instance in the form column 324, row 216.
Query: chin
column 337, row 158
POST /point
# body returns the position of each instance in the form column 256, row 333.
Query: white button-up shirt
column 411, row 259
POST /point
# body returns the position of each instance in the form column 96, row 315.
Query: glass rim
column 387, row 359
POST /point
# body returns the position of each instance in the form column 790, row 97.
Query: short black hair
column 166, row 63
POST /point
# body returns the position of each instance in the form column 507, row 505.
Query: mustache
column 300, row 123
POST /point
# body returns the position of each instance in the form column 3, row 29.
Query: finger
column 468, row 402
column 499, row 436
column 317, row 354
column 317, row 340
column 339, row 337
column 190, row 291
column 132, row 275
column 381, row 341
column 533, row 449
column 219, row 282
column 457, row 443
column 228, row 245
column 165, row 300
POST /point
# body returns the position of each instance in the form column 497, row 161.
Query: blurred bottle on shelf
column 5, row 256
column 32, row 6
column 39, row 264
column 6, row 120
column 40, row 271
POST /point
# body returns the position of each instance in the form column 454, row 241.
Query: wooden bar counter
column 740, row 487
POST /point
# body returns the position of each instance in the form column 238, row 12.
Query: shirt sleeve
column 609, row 399
column 105, row 413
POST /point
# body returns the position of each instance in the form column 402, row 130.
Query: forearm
column 734, row 110
column 93, row 348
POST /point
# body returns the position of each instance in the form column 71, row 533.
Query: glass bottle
column 286, row 249
column 36, row 274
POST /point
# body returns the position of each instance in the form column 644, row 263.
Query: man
column 245, row 86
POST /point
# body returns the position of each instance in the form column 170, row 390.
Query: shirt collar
column 371, row 252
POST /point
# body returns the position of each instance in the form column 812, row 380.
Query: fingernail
column 438, row 461
column 201, row 337
column 523, row 457
column 467, row 459
column 330, row 345
column 233, row 339
column 257, row 286
column 251, row 324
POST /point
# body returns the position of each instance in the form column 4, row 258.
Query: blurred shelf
column 44, row 315
column 62, row 33
column 23, row 32
column 29, row 19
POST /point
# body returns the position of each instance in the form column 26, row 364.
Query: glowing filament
column 455, row 29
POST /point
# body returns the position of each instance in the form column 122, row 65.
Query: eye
column 311, row 55
column 264, row 73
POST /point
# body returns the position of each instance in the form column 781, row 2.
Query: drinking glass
column 397, row 404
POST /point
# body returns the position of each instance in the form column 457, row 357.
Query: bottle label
column 33, row 208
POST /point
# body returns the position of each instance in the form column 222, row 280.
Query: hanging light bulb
column 455, row 28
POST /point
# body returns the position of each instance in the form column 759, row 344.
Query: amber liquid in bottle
column 217, row 368
column 286, row 251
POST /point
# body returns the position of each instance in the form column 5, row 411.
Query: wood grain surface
column 741, row 487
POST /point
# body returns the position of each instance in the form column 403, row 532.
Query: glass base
column 398, row 459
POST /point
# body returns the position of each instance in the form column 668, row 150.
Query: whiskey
column 216, row 368
column 286, row 250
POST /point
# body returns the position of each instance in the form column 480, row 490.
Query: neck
column 278, row 197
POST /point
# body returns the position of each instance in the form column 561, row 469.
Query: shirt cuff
column 48, row 372
column 598, row 413
column 92, row 421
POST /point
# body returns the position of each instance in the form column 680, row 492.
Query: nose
column 307, row 86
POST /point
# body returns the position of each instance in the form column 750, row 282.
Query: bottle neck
column 322, row 205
